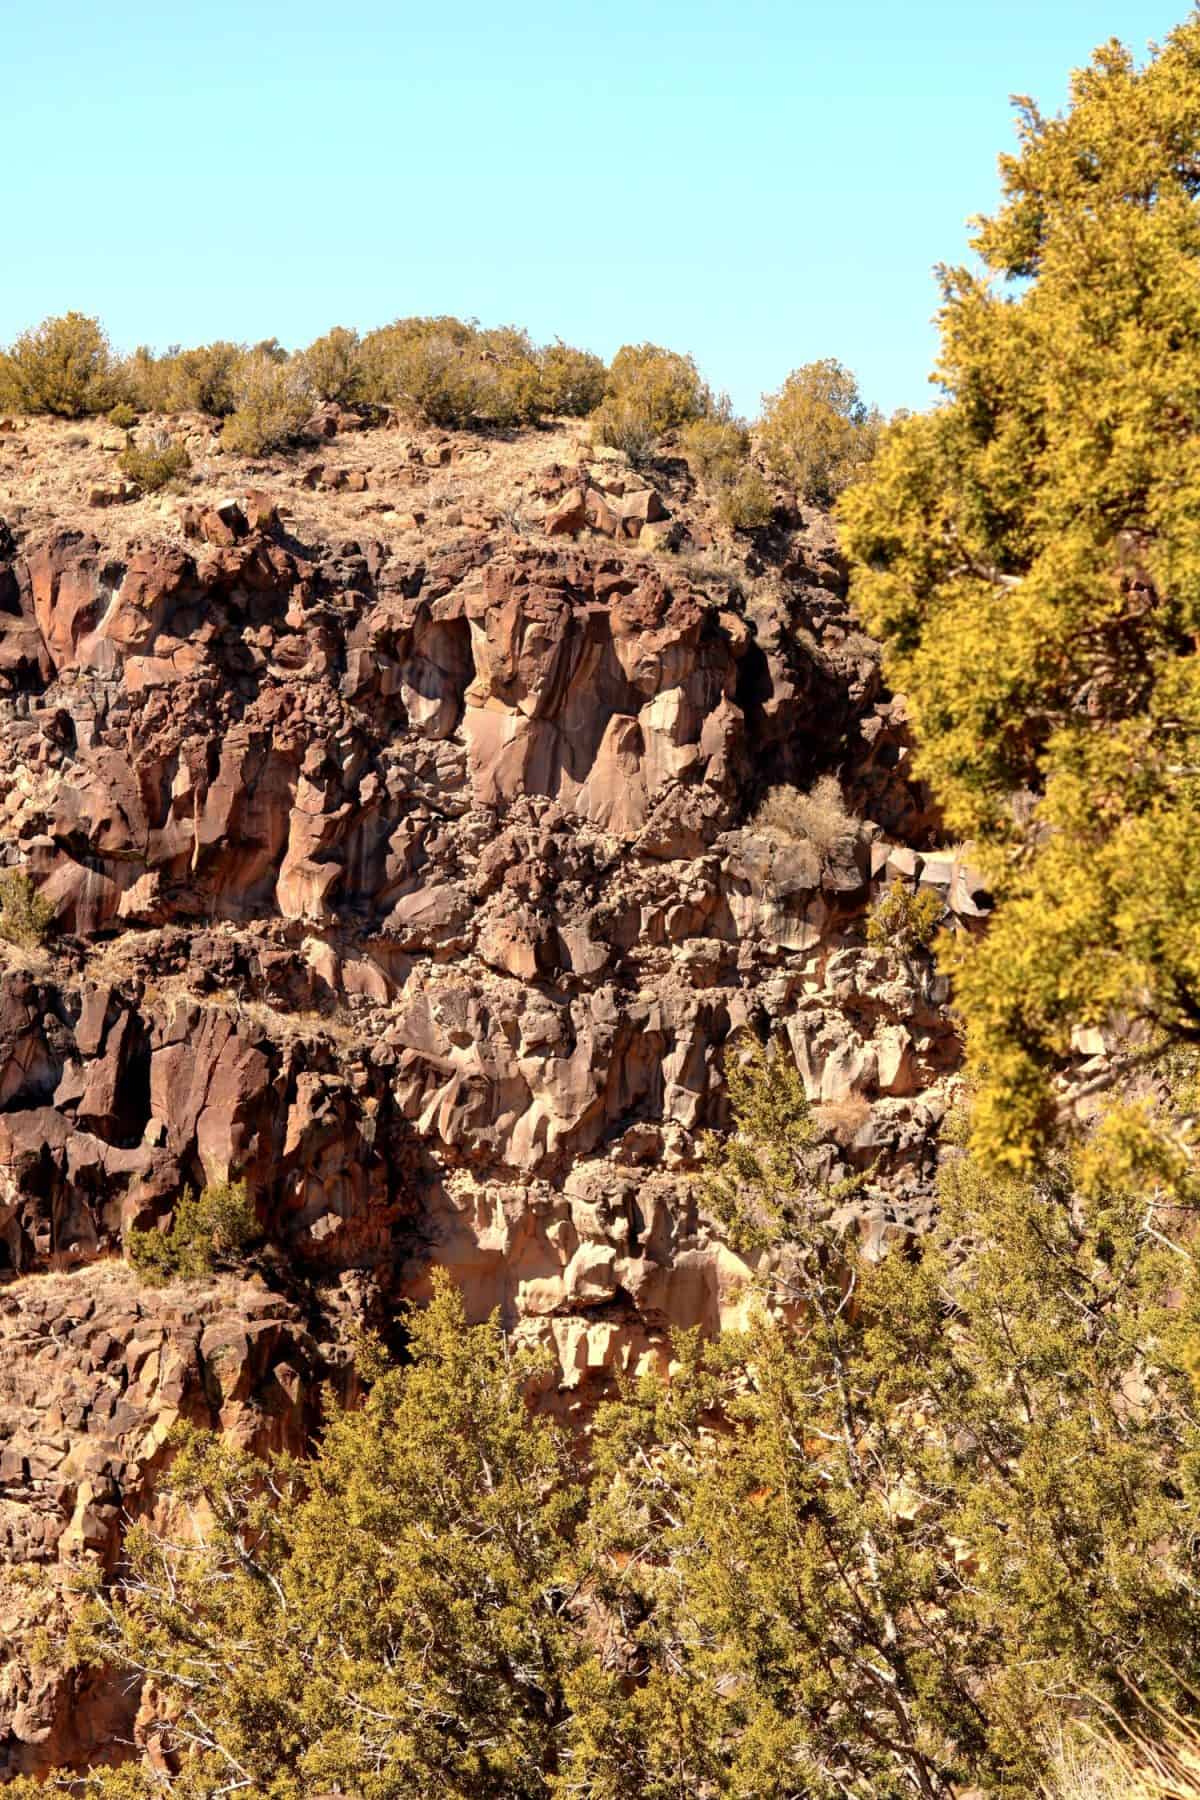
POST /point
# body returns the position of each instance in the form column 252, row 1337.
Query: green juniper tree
column 393, row 1619
column 1028, row 553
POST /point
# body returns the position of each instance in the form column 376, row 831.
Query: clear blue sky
column 760, row 182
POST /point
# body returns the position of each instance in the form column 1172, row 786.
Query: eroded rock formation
column 412, row 875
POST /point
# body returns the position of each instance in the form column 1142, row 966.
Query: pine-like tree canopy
column 1029, row 553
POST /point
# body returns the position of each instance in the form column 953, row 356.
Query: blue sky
column 760, row 182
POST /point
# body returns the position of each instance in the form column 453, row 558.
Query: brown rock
column 567, row 516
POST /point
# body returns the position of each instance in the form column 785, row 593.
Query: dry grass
column 842, row 1120
column 1139, row 1768
column 48, row 468
column 819, row 817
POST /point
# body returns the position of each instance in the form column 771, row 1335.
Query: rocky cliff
column 396, row 805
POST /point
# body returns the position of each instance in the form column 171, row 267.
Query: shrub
column 747, row 504
column 817, row 432
column 65, row 366
column 818, row 817
column 423, row 367
column 208, row 1231
column 273, row 401
column 122, row 416
column 144, row 376
column 904, row 921
column 666, row 385
column 650, row 391
column 1026, row 552
column 402, row 1617
column 204, row 379
column 332, row 366
column 154, row 464
column 25, row 918
column 449, row 372
column 623, row 425
column 1100, row 1766
column 716, row 448
column 511, row 389
column 573, row 381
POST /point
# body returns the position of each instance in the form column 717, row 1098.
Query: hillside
column 396, row 802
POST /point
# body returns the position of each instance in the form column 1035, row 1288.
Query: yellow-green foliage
column 666, row 384
column 272, row 401
column 332, row 366
column 64, row 366
column 452, row 372
column 405, row 1615
column 748, row 503
column 650, row 391
column 573, row 381
column 904, row 920
column 1029, row 553
column 153, row 464
column 716, row 448
column 122, row 415
column 208, row 1230
column 25, row 918
column 202, row 379
column 817, row 432
column 426, row 367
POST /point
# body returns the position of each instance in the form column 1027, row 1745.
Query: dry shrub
column 715, row 448
column 747, row 504
column 819, row 817
column 842, row 1120
column 273, row 402
column 1101, row 1768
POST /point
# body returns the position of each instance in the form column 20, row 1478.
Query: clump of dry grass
column 819, row 817
column 842, row 1120
column 1105, row 1768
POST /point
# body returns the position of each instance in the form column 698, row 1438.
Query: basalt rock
column 420, row 888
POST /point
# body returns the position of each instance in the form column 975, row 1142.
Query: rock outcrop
column 412, row 876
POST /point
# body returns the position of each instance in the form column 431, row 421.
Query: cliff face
column 395, row 805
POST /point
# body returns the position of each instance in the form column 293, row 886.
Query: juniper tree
column 390, row 1620
column 1028, row 553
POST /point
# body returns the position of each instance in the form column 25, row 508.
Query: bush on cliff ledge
column 25, row 918
column 209, row 1230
